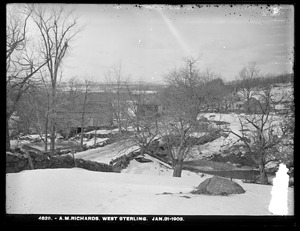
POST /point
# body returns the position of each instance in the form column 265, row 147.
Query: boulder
column 218, row 186
column 21, row 164
column 40, row 158
column 13, row 156
column 11, row 169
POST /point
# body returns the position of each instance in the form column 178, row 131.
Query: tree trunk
column 137, row 123
column 73, row 152
column 177, row 168
column 142, row 150
column 46, row 134
column 52, row 139
column 263, row 178
column 7, row 135
column 95, row 137
column 29, row 160
column 81, row 135
column 52, row 119
column 119, row 126
column 82, row 126
column 83, row 111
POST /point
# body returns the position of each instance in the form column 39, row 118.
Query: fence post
column 29, row 159
column 253, row 175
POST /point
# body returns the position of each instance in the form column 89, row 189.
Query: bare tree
column 262, row 132
column 21, row 62
column 140, row 118
column 216, row 93
column 85, row 103
column 248, row 77
column 117, row 83
column 36, row 108
column 33, row 109
column 182, row 101
column 57, row 29
column 70, row 94
column 46, row 88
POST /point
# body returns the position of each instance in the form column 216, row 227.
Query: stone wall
column 123, row 161
column 16, row 162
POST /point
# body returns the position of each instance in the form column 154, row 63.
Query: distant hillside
column 266, row 80
column 123, row 87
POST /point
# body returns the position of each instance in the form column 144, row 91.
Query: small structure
column 97, row 115
column 150, row 106
column 236, row 102
column 238, row 105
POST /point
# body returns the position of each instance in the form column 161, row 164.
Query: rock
column 93, row 166
column 291, row 182
column 34, row 155
column 17, row 164
column 10, row 169
column 61, row 162
column 218, row 186
column 39, row 158
column 40, row 165
column 9, row 157
column 21, row 164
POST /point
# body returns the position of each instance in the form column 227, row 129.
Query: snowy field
column 142, row 188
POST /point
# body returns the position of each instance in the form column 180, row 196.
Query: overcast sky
column 151, row 40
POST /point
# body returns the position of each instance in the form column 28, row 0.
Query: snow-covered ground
column 140, row 189
column 94, row 141
column 281, row 92
column 103, row 131
column 223, row 143
column 87, row 142
column 28, row 139
column 156, row 167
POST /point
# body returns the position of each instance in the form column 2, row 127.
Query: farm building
column 236, row 102
column 150, row 106
column 96, row 114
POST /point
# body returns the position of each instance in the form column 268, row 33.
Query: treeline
column 260, row 81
